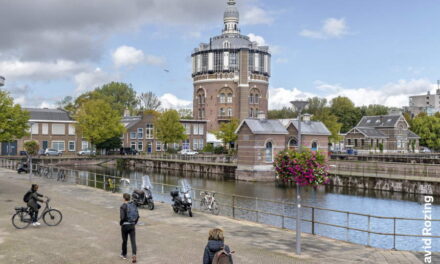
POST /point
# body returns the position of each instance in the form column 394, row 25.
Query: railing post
column 313, row 220
column 394, row 233
column 348, row 226
column 369, row 229
column 233, row 206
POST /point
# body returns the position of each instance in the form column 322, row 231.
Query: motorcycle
column 144, row 197
column 181, row 199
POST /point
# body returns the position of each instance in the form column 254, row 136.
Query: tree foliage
column 186, row 113
column 373, row 110
column 168, row 127
column 111, row 143
column 98, row 121
column 226, row 133
column 428, row 128
column 348, row 115
column 149, row 101
column 316, row 105
column 284, row 113
column 31, row 147
column 331, row 122
column 13, row 119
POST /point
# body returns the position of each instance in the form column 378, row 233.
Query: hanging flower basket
column 307, row 168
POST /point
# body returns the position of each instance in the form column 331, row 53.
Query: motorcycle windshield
column 146, row 183
column 184, row 184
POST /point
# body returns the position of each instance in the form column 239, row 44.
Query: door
column 150, row 147
column 9, row 148
column 45, row 145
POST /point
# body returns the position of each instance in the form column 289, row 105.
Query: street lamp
column 2, row 81
column 299, row 105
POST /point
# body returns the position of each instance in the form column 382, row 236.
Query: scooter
column 23, row 167
column 181, row 199
column 144, row 197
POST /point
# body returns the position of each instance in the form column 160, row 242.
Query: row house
column 51, row 129
column 140, row 134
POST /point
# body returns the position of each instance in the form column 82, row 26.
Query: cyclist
column 33, row 197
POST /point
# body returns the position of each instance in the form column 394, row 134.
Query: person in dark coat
column 127, row 229
column 34, row 198
column 215, row 243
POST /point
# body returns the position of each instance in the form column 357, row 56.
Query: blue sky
column 372, row 51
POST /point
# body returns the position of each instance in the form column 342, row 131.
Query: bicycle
column 22, row 217
column 61, row 175
column 208, row 202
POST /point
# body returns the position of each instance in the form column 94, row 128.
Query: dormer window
column 377, row 121
column 368, row 121
column 389, row 120
column 226, row 45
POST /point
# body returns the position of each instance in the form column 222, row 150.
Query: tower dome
column 231, row 18
column 231, row 11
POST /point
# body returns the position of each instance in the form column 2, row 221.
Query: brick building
column 260, row 139
column 51, row 128
column 140, row 134
column 390, row 131
column 230, row 74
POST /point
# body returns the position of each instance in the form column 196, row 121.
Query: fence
column 384, row 169
column 194, row 158
column 366, row 229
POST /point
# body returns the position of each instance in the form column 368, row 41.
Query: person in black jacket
column 34, row 198
column 215, row 243
column 128, row 228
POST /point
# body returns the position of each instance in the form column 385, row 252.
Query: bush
column 172, row 151
column 220, row 150
column 209, row 148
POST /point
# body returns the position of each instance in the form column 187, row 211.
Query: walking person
column 216, row 252
column 129, row 217
column 31, row 198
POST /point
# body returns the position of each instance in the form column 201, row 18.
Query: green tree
column 284, row 113
column 428, row 128
column 13, row 119
column 168, row 127
column 120, row 95
column 98, row 121
column 316, row 105
column 348, row 115
column 111, row 143
column 331, row 122
column 31, row 147
column 373, row 110
column 226, row 133
column 186, row 113
column 67, row 104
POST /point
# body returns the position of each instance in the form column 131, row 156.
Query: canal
column 369, row 202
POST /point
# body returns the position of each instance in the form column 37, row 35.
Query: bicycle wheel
column 21, row 220
column 52, row 217
column 215, row 209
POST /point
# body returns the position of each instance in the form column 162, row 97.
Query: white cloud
column 255, row 15
column 36, row 70
column 395, row 94
column 87, row 81
column 170, row 101
column 255, row 38
column 47, row 105
column 127, row 56
column 331, row 28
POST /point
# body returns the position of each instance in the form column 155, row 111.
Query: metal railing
column 384, row 169
column 428, row 158
column 279, row 214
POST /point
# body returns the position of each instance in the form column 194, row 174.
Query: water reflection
column 372, row 202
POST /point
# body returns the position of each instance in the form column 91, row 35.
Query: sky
column 374, row 52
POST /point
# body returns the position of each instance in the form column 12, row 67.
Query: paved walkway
column 90, row 233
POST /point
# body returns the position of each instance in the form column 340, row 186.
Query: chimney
column 126, row 112
column 261, row 115
column 306, row 117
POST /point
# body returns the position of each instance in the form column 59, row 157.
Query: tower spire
column 231, row 18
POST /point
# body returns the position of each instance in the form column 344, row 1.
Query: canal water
column 369, row 202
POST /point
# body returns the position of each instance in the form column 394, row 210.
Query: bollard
column 313, row 220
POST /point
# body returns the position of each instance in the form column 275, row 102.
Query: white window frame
column 71, row 130
column 35, row 129
column 141, row 144
column 84, row 145
column 159, row 146
column 45, row 129
column 187, row 129
column 74, row 146
column 133, row 135
column 55, row 127
column 149, row 131
column 140, row 133
column 57, row 142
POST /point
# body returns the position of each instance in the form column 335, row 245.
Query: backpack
column 27, row 197
column 222, row 257
column 132, row 213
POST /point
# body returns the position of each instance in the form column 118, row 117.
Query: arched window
column 200, row 96
column 293, row 143
column 229, row 111
column 222, row 98
column 251, row 98
column 269, row 152
column 221, row 112
column 226, row 44
column 314, row 146
column 229, row 98
column 254, row 97
column 251, row 112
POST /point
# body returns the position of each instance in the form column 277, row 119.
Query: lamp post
column 2, row 81
column 299, row 105
column 30, row 156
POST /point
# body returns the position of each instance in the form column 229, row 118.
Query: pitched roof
column 264, row 126
column 379, row 121
column 412, row 135
column 130, row 121
column 307, row 127
column 371, row 132
column 48, row 114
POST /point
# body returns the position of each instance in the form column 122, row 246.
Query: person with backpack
column 129, row 217
column 31, row 198
column 216, row 252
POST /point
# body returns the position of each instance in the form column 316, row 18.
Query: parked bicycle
column 61, row 175
column 22, row 217
column 208, row 202
column 42, row 171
